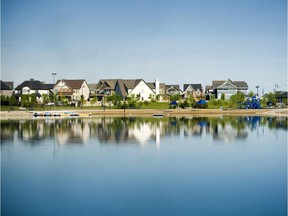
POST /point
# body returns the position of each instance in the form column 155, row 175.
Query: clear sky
column 176, row 41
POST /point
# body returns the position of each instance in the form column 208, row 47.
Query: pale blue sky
column 179, row 41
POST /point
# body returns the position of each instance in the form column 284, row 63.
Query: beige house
column 173, row 90
column 194, row 90
column 72, row 89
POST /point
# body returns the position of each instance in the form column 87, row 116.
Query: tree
column 45, row 98
column 82, row 100
column 222, row 96
column 12, row 101
column 191, row 100
column 175, row 97
column 271, row 98
column 93, row 100
column 4, row 100
column 237, row 99
column 115, row 99
column 251, row 94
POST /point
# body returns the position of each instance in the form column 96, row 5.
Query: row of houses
column 74, row 89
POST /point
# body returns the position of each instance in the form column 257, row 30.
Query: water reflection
column 134, row 129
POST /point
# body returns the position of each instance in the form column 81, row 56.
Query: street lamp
column 54, row 74
column 257, row 87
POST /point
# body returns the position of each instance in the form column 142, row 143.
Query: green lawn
column 156, row 105
column 151, row 105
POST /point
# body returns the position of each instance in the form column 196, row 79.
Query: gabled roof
column 6, row 85
column 227, row 84
column 238, row 84
column 152, row 85
column 74, row 84
column 92, row 86
column 111, row 83
column 194, row 86
column 241, row 84
column 34, row 85
column 48, row 86
column 106, row 84
column 177, row 87
column 124, row 85
column 283, row 94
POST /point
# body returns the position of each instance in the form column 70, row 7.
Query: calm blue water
column 144, row 166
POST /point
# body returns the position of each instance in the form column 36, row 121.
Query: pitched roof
column 34, row 85
column 239, row 84
column 177, row 87
column 122, row 88
column 6, row 85
column 48, row 86
column 152, row 85
column 283, row 94
column 74, row 84
column 124, row 85
column 194, row 86
column 92, row 86
column 110, row 82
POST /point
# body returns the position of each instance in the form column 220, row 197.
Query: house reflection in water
column 133, row 129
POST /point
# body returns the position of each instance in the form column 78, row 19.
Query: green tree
column 115, row 99
column 237, row 99
column 271, row 98
column 175, row 97
column 45, row 98
column 251, row 94
column 223, row 97
column 82, row 99
column 12, row 101
column 93, row 100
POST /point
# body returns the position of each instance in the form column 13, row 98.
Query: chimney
column 157, row 87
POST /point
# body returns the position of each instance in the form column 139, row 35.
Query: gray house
column 227, row 87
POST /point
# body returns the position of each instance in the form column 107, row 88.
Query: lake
column 144, row 166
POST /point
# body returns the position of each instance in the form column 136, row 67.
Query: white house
column 138, row 87
column 33, row 87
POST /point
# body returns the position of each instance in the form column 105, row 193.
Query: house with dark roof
column 35, row 87
column 173, row 90
column 194, row 90
column 72, row 89
column 105, row 87
column 6, row 88
column 137, row 87
column 126, row 88
column 227, row 87
column 281, row 96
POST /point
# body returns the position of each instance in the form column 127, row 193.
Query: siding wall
column 143, row 90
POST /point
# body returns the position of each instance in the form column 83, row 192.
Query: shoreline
column 149, row 112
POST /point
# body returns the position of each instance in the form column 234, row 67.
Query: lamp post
column 54, row 74
column 257, row 87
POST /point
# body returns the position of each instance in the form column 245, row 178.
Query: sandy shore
column 166, row 112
